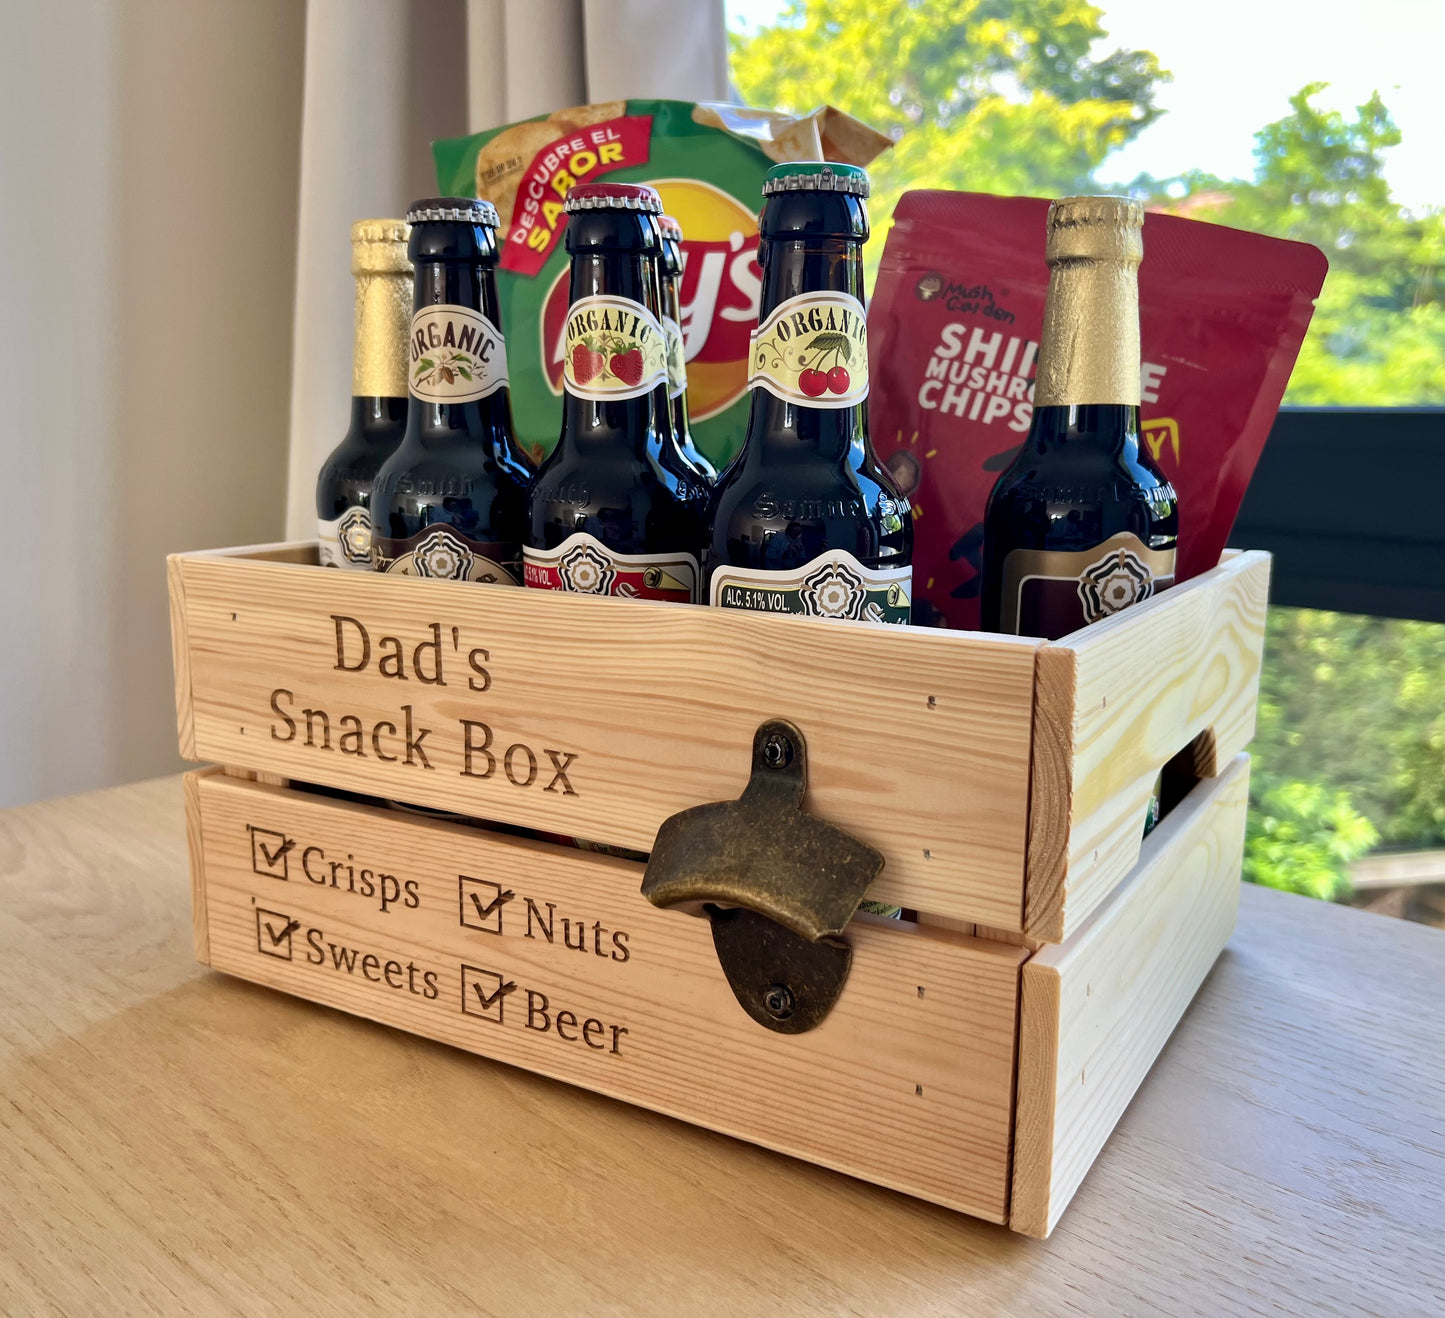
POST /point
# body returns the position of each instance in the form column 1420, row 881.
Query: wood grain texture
column 1114, row 703
column 181, row 658
column 254, row 776
column 1097, row 1010
column 283, row 551
column 658, row 704
column 945, row 922
column 919, row 1045
column 180, row 1141
column 1006, row 936
column 195, row 855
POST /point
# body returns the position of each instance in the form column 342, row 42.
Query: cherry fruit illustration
column 822, row 348
column 813, row 383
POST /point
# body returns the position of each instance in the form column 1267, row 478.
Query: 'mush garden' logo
column 721, row 288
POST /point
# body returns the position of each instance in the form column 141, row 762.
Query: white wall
column 148, row 187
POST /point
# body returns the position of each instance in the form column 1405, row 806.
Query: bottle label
column 582, row 563
column 440, row 552
column 613, row 348
column 1051, row 593
column 812, row 350
column 346, row 542
column 457, row 355
column 833, row 585
column 676, row 361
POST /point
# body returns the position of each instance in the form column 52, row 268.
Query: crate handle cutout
column 778, row 885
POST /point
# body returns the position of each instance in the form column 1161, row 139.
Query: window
column 1267, row 118
column 1260, row 116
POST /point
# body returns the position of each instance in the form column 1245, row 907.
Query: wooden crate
column 992, row 1044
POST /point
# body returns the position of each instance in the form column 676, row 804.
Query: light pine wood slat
column 181, row 659
column 195, row 853
column 1114, row 703
column 918, row 740
column 907, row 1083
column 174, row 1140
column 1096, row 1011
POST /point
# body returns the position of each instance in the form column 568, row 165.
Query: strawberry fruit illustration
column 627, row 366
column 586, row 364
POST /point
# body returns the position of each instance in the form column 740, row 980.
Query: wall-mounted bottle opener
column 778, row 885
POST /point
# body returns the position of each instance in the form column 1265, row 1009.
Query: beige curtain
column 383, row 77
column 177, row 179
column 148, row 190
column 437, row 68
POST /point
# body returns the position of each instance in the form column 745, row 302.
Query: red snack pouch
column 953, row 331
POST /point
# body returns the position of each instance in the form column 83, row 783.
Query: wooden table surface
column 174, row 1140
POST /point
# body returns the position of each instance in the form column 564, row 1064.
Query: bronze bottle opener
column 778, row 885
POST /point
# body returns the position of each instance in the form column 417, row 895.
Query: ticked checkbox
column 273, row 933
column 482, row 902
column 270, row 852
column 484, row 993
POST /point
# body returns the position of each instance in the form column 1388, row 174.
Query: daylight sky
column 1236, row 62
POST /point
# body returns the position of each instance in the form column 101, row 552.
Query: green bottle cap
column 816, row 176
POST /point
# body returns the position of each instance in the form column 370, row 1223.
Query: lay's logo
column 721, row 289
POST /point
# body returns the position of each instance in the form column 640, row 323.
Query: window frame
column 1341, row 498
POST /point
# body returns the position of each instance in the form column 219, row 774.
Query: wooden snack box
column 977, row 1057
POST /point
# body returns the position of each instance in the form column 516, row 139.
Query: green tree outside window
column 1004, row 96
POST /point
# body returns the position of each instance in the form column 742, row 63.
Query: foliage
column 983, row 95
column 1007, row 96
column 1302, row 837
column 1378, row 335
column 1358, row 704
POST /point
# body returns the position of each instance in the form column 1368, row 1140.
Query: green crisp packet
column 708, row 163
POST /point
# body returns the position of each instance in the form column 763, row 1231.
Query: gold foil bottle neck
column 378, row 247
column 1089, row 349
column 1095, row 228
column 383, row 307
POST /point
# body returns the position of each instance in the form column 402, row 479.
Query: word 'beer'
column 451, row 501
column 616, row 508
column 378, row 393
column 806, row 520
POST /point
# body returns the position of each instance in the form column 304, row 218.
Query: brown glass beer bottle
column 451, row 501
column 615, row 509
column 806, row 520
column 1082, row 523
column 378, row 393
column 671, row 273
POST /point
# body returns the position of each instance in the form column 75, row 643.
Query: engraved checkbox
column 482, row 902
column 484, row 994
column 273, row 933
column 270, row 853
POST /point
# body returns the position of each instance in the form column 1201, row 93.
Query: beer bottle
column 378, row 393
column 614, row 508
column 806, row 520
column 451, row 501
column 1082, row 523
column 671, row 272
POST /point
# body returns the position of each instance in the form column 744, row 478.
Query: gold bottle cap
column 1095, row 228
column 378, row 247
